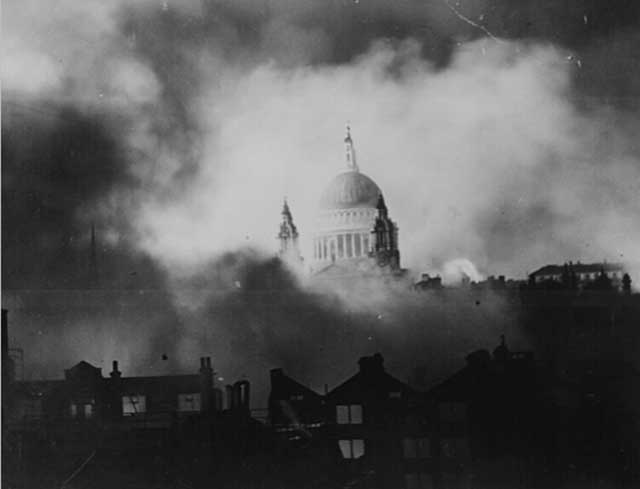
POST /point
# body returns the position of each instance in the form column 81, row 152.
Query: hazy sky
column 501, row 132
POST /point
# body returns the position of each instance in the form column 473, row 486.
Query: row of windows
column 453, row 412
column 136, row 404
column 353, row 214
column 416, row 448
column 581, row 276
column 413, row 448
column 81, row 410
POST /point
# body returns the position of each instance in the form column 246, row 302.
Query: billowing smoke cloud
column 487, row 159
column 178, row 127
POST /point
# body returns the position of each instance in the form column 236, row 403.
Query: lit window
column 342, row 414
column 88, row 410
column 297, row 397
column 134, row 404
column 189, row 402
column 351, row 448
column 349, row 414
column 73, row 410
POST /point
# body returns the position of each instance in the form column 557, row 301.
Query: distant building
column 579, row 274
column 288, row 238
column 427, row 282
column 85, row 395
column 122, row 427
column 354, row 235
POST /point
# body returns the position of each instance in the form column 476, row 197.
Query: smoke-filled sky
column 501, row 132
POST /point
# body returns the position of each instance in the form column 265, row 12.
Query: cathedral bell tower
column 288, row 237
column 384, row 238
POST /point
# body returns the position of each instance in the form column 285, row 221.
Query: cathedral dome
column 350, row 189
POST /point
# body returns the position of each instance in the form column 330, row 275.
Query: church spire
column 288, row 235
column 352, row 165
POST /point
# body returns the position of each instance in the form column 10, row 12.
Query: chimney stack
column 206, row 384
column 229, row 395
column 372, row 365
column 115, row 373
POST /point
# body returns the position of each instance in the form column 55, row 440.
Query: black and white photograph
column 320, row 244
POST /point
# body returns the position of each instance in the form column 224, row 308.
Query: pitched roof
column 361, row 384
column 282, row 384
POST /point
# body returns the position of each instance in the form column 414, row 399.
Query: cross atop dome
column 352, row 165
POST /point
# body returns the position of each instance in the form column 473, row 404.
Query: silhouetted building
column 427, row 282
column 580, row 275
column 157, row 431
column 295, row 411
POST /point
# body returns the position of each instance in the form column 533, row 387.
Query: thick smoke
column 178, row 127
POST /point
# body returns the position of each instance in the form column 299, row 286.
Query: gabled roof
column 364, row 385
column 456, row 388
column 83, row 370
column 283, row 386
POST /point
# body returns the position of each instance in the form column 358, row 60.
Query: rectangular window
column 348, row 237
column 73, row 410
column 189, row 402
column 416, row 448
column 355, row 410
column 352, row 449
column 409, row 448
column 366, row 244
column 418, row 481
column 342, row 414
column 453, row 412
column 351, row 414
column 455, row 448
column 88, row 410
column 297, row 397
column 31, row 408
column 454, row 481
column 340, row 245
column 357, row 244
column 134, row 404
column 395, row 395
column 424, row 448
